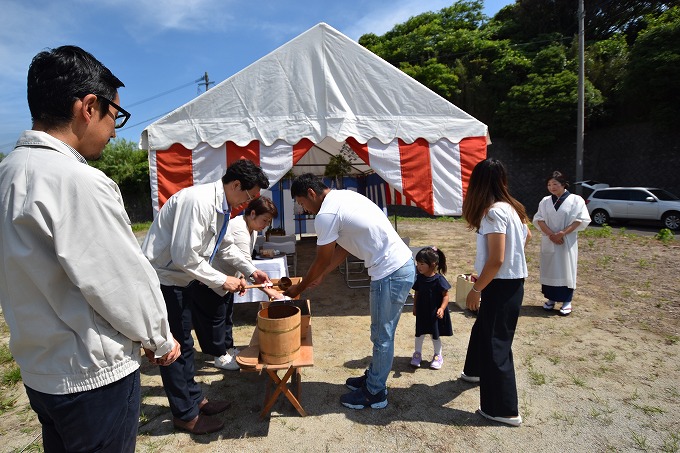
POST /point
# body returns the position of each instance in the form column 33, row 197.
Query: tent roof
column 320, row 84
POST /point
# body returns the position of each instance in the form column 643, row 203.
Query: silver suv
column 634, row 203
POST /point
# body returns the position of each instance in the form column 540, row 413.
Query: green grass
column 141, row 226
column 7, row 403
column 648, row 410
column 5, row 354
column 671, row 339
column 671, row 444
column 11, row 376
column 578, row 381
column 609, row 356
column 604, row 231
column 604, row 261
column 640, row 441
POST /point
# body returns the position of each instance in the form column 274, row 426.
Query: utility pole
column 206, row 81
column 581, row 96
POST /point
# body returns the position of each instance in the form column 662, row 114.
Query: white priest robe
column 559, row 261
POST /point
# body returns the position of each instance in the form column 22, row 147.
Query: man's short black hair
column 304, row 182
column 58, row 77
column 247, row 173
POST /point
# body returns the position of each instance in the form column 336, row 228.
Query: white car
column 588, row 186
column 634, row 203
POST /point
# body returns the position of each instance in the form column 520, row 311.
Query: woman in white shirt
column 501, row 225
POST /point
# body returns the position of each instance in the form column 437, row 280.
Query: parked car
column 592, row 184
column 634, row 203
column 589, row 185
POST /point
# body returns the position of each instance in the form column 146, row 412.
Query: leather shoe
column 213, row 407
column 201, row 424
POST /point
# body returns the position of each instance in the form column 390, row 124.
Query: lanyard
column 220, row 236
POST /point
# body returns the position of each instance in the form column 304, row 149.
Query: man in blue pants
column 347, row 222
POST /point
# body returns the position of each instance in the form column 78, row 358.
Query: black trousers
column 212, row 319
column 103, row 419
column 187, row 307
column 489, row 353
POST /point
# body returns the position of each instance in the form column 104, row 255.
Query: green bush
column 664, row 235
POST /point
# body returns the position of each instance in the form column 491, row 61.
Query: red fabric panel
column 174, row 171
column 251, row 152
column 361, row 150
column 416, row 173
column 301, row 148
column 472, row 151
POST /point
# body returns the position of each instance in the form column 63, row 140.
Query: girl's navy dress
column 430, row 293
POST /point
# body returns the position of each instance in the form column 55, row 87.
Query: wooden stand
column 249, row 359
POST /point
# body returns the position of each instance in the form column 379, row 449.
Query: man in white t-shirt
column 347, row 222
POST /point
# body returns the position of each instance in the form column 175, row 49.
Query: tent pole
column 283, row 209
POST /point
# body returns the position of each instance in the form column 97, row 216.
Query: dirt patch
column 603, row 379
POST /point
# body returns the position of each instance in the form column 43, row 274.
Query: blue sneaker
column 361, row 397
column 354, row 383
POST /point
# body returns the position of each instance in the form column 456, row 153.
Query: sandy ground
column 603, row 379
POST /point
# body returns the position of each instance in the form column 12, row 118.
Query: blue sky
column 160, row 48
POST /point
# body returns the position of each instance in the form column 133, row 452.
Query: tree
column 340, row 165
column 543, row 109
column 652, row 83
column 606, row 68
column 128, row 166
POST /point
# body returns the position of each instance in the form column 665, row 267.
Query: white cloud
column 25, row 32
column 382, row 20
column 153, row 17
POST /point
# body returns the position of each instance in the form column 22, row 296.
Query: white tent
column 304, row 100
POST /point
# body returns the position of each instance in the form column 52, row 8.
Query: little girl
column 430, row 304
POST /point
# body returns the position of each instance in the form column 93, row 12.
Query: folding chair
column 354, row 266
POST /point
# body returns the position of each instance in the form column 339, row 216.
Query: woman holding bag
column 501, row 225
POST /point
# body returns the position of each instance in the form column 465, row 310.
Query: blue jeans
column 103, row 419
column 387, row 302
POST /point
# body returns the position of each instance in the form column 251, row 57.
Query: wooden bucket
column 279, row 334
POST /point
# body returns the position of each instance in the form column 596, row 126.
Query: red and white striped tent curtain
column 432, row 176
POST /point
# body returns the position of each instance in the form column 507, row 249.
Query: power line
column 165, row 92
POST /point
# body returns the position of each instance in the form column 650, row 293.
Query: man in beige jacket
column 77, row 293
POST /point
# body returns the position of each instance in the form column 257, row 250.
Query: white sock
column 437, row 345
column 419, row 343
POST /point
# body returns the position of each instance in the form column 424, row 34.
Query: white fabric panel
column 288, row 213
column 385, row 160
column 319, row 84
column 153, row 179
column 276, row 160
column 447, row 182
column 208, row 164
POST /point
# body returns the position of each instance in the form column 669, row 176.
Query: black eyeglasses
column 121, row 117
